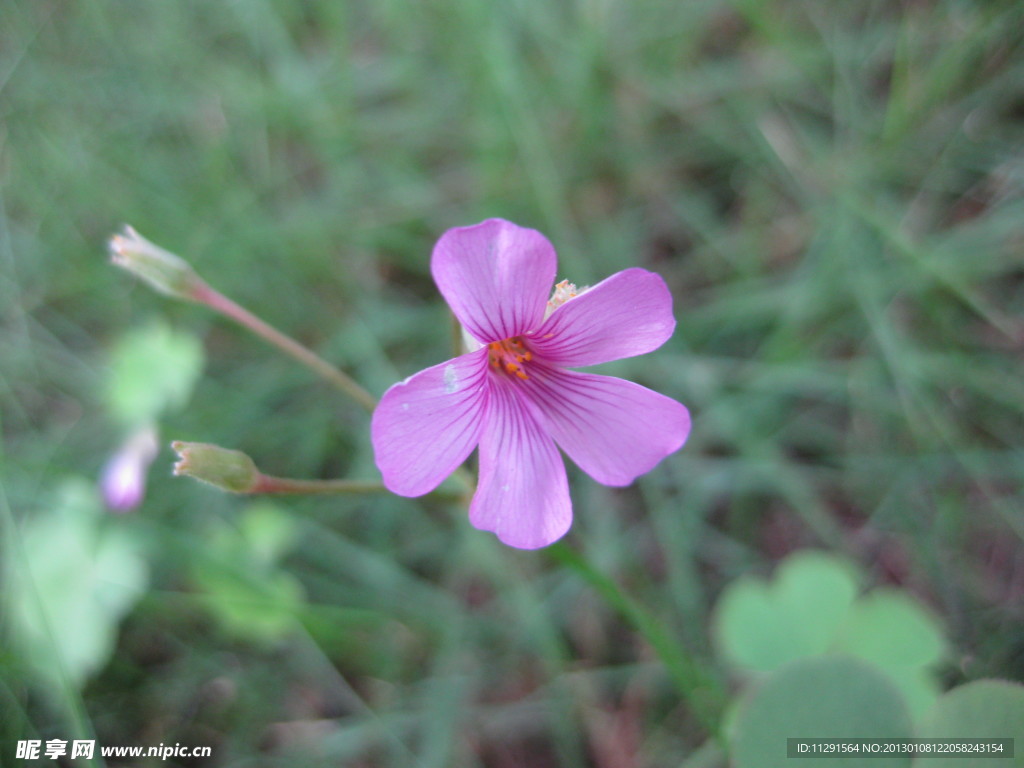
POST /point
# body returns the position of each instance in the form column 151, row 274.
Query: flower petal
column 613, row 429
column 627, row 314
column 495, row 276
column 426, row 426
column 523, row 494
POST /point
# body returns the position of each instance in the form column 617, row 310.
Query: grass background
column 831, row 190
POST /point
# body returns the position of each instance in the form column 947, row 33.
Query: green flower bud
column 222, row 468
column 165, row 272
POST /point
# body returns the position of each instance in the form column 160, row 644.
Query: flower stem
column 216, row 301
column 704, row 692
column 268, row 484
column 288, row 485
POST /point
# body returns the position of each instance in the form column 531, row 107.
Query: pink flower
column 514, row 397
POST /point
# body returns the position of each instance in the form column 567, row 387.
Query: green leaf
column 979, row 710
column 760, row 626
column 890, row 629
column 268, row 531
column 241, row 584
column 811, row 608
column 920, row 686
column 262, row 607
column 153, row 370
column 72, row 575
column 827, row 696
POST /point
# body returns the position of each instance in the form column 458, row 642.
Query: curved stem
column 217, row 301
column 704, row 692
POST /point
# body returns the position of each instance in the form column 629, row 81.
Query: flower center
column 509, row 356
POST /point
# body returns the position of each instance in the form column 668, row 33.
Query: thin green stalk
column 704, row 693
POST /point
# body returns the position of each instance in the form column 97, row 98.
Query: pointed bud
column 167, row 273
column 123, row 482
column 222, row 468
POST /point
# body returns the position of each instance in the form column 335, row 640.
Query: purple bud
column 123, row 481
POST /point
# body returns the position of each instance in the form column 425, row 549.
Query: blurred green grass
column 832, row 191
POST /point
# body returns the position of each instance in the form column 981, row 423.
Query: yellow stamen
column 510, row 355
